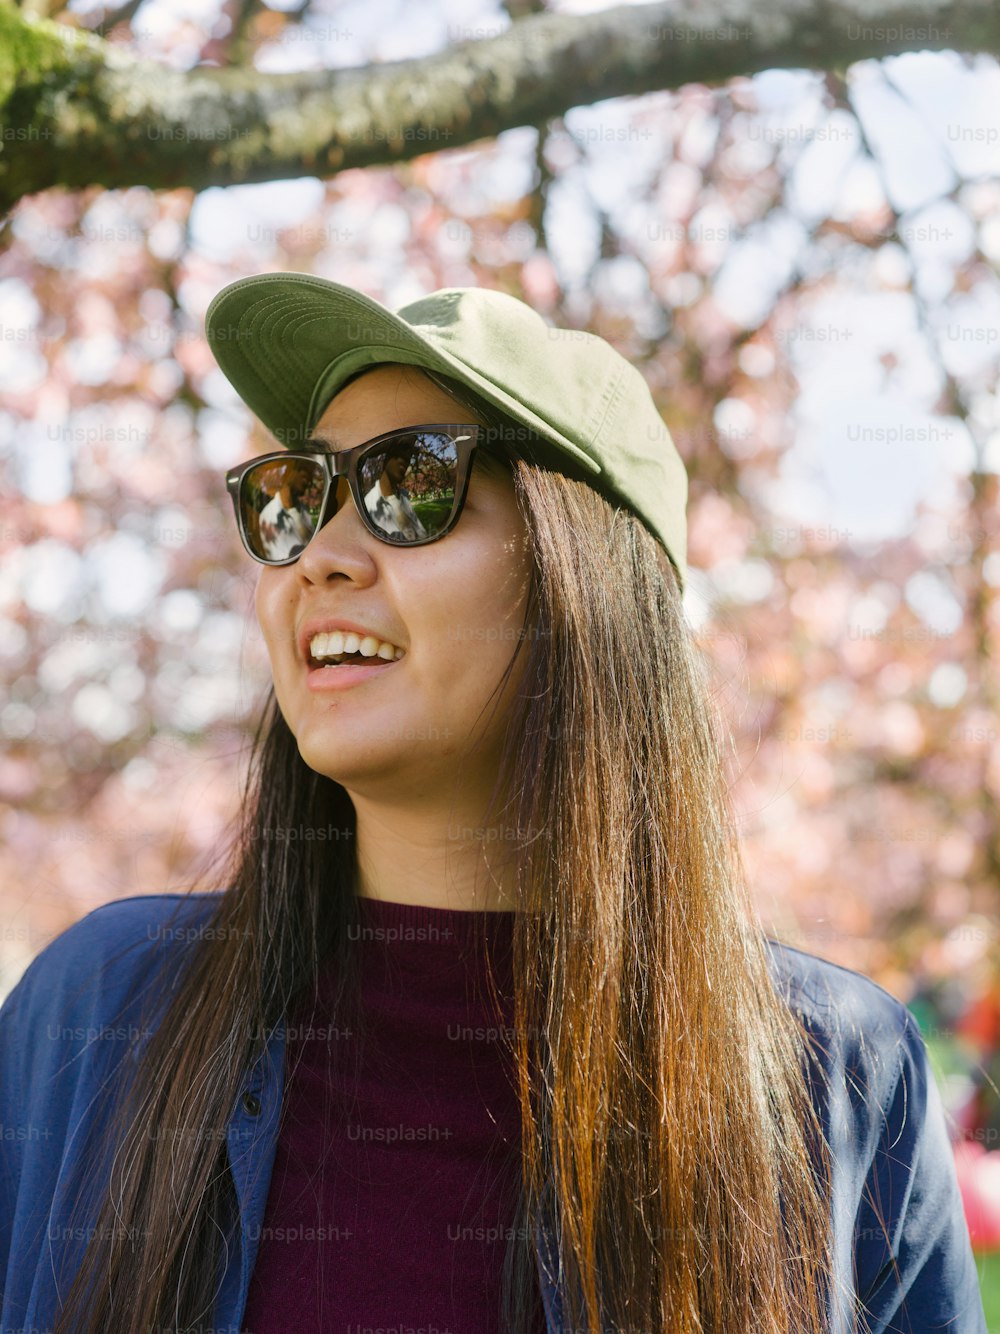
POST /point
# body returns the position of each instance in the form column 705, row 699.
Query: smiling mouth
column 352, row 660
column 333, row 648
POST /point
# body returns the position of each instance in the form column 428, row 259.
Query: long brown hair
column 670, row 1144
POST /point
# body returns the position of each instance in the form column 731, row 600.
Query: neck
column 432, row 858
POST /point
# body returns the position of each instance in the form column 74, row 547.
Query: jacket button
column 252, row 1103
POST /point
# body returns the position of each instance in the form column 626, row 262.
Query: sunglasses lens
column 408, row 484
column 280, row 503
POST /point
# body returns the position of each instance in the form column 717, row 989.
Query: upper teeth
column 338, row 642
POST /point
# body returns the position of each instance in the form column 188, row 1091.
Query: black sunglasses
column 409, row 487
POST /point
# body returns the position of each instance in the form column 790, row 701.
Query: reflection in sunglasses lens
column 408, row 485
column 280, row 503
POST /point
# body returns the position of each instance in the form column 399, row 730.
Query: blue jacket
column 61, row 1035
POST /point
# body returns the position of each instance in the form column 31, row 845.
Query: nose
column 339, row 497
column 331, row 551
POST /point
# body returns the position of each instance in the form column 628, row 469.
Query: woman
column 482, row 1034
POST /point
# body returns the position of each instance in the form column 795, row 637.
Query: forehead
column 385, row 398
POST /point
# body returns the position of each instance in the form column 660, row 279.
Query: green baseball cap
column 287, row 342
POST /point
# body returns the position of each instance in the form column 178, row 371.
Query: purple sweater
column 395, row 1186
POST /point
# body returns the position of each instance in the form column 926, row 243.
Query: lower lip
column 343, row 677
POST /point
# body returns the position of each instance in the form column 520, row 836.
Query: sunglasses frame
column 344, row 463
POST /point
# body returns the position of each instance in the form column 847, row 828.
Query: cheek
column 268, row 604
column 261, row 607
column 472, row 634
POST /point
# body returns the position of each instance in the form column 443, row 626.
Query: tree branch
column 111, row 18
column 75, row 111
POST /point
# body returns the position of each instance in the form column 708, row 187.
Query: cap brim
column 276, row 337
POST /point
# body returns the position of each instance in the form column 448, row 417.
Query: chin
column 350, row 762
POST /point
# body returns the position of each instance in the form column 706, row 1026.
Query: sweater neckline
column 456, row 924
